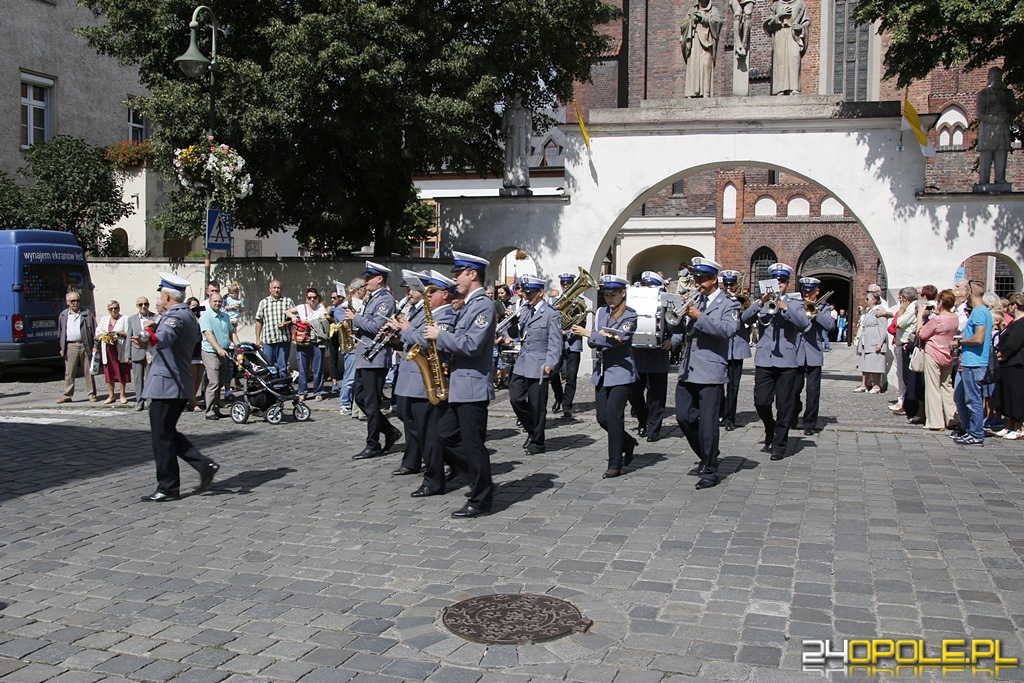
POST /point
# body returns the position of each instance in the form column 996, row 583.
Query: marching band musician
column 408, row 381
column 652, row 366
column 775, row 361
column 709, row 325
column 810, row 356
column 570, row 365
column 379, row 306
column 540, row 336
column 424, row 415
column 739, row 349
column 614, row 369
column 470, row 344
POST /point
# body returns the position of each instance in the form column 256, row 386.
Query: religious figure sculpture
column 516, row 126
column 743, row 13
column 789, row 26
column 996, row 109
column 699, row 39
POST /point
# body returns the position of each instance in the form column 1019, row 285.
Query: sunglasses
column 311, row 298
column 142, row 305
column 73, row 301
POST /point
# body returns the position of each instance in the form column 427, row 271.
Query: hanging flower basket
column 215, row 169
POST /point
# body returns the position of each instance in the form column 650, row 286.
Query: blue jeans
column 278, row 354
column 347, row 379
column 970, row 404
column 306, row 356
column 824, row 338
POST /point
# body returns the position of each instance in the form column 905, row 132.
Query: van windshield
column 50, row 282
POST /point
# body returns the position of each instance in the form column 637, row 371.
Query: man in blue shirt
column 974, row 349
column 218, row 335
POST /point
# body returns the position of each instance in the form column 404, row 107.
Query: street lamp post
column 195, row 64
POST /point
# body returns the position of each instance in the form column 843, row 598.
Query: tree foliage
column 71, row 187
column 927, row 34
column 336, row 104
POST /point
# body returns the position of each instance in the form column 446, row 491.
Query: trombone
column 811, row 307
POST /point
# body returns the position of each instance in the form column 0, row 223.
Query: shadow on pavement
column 245, row 482
column 499, row 434
column 734, row 463
column 558, row 443
column 522, row 489
column 38, row 457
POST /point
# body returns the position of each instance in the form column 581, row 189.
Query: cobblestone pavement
column 300, row 564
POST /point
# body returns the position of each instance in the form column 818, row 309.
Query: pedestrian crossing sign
column 218, row 230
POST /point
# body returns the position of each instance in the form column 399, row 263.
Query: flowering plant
column 106, row 338
column 129, row 153
column 213, row 167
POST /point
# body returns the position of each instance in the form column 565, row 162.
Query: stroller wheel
column 301, row 412
column 275, row 414
column 240, row 412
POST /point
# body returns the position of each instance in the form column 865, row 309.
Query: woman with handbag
column 937, row 332
column 112, row 335
column 872, row 344
column 308, row 353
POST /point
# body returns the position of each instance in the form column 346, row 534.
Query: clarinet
column 385, row 335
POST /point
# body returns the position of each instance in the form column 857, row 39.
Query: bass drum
column 510, row 354
column 650, row 318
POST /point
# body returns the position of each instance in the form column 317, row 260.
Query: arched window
column 952, row 125
column 798, row 206
column 765, row 206
column 759, row 263
column 830, row 206
column 729, row 202
column 550, row 153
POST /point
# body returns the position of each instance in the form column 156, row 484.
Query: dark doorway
column 840, row 300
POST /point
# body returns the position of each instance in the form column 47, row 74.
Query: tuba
column 574, row 311
column 430, row 366
column 811, row 307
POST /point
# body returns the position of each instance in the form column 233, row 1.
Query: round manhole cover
column 513, row 619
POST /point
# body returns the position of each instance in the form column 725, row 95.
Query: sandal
column 875, row 390
column 110, row 399
column 123, row 401
column 859, row 390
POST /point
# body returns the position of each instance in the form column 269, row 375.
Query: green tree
column 928, row 34
column 336, row 104
column 71, row 187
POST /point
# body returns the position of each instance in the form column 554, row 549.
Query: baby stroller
column 264, row 389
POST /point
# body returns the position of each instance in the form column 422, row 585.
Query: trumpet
column 772, row 306
column 674, row 316
column 507, row 321
column 811, row 307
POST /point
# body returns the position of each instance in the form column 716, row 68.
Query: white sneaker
column 345, row 411
column 895, row 406
column 1002, row 432
column 1013, row 436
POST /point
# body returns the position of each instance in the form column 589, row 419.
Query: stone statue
column 788, row 25
column 699, row 39
column 996, row 109
column 516, row 126
column 743, row 14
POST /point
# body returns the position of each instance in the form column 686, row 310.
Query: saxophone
column 434, row 372
column 346, row 336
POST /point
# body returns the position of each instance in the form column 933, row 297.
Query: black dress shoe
column 468, row 510
column 609, row 474
column 534, row 449
column 526, row 444
column 159, row 498
column 519, row 423
column 368, row 452
column 706, row 484
column 627, row 457
column 729, row 426
column 651, row 438
column 402, row 471
column 213, row 416
column 777, row 456
column 423, row 492
column 567, row 414
column 557, row 408
column 390, row 438
column 808, row 432
column 767, row 448
column 641, row 431
column 206, row 477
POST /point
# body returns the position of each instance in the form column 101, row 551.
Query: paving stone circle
column 513, row 619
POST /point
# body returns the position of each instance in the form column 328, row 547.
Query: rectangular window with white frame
column 138, row 127
column 36, row 109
